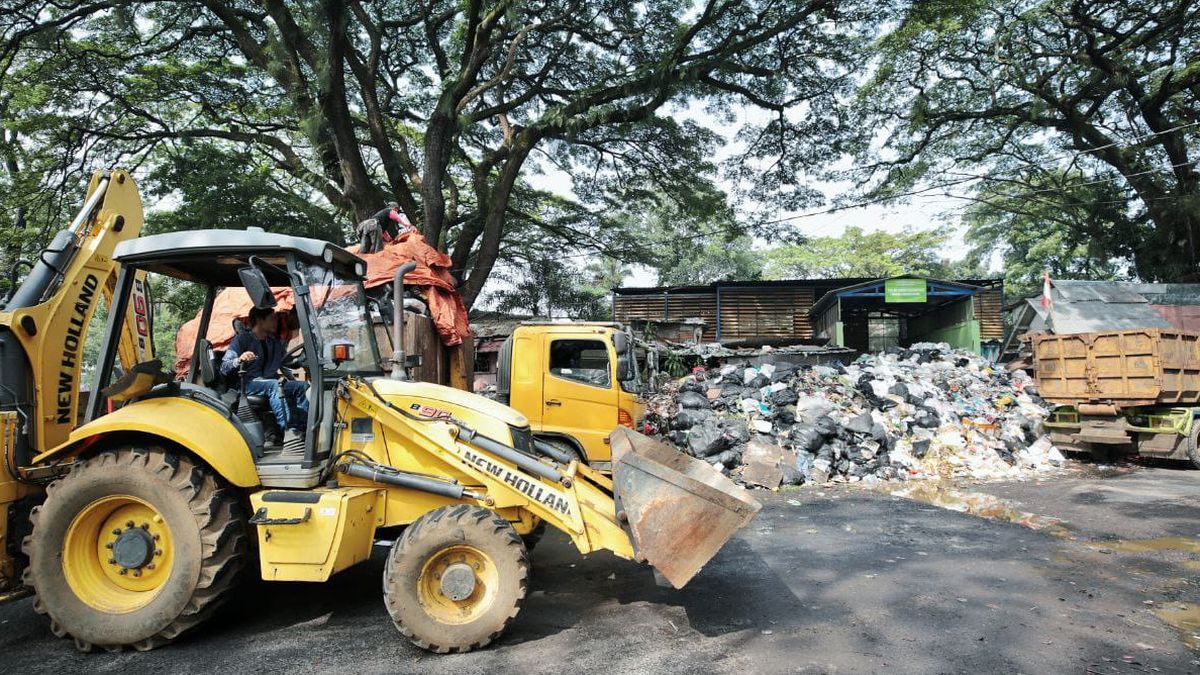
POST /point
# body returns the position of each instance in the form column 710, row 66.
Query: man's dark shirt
column 270, row 353
column 386, row 223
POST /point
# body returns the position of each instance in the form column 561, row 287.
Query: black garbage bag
column 707, row 438
column 687, row 418
column 784, row 397
column 759, row 381
column 807, row 439
column 791, row 475
column 737, row 430
column 919, row 448
column 693, row 400
column 727, row 458
column 786, row 415
column 827, row 426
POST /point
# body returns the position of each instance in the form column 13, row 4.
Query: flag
column 1046, row 300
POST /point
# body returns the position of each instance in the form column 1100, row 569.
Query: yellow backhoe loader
column 136, row 511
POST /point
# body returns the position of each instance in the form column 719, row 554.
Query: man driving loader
column 257, row 354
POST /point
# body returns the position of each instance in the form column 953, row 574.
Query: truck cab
column 574, row 382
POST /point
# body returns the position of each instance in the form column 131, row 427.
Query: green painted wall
column 963, row 335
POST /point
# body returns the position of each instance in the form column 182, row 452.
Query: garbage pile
column 924, row 411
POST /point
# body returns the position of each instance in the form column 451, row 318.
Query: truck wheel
column 1193, row 444
column 455, row 579
column 133, row 547
column 565, row 447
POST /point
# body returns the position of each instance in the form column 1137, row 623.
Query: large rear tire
column 132, row 548
column 455, row 579
column 1193, row 444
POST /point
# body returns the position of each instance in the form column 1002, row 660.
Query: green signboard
column 904, row 290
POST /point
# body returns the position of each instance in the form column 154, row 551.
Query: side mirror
column 257, row 287
column 626, row 370
column 621, row 342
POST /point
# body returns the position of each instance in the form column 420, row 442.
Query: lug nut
column 150, row 566
column 158, row 551
column 137, row 573
column 145, row 526
column 112, row 561
column 123, row 571
column 129, row 523
column 108, row 545
column 117, row 532
column 156, row 537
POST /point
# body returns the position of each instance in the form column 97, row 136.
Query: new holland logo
column 535, row 490
column 72, row 343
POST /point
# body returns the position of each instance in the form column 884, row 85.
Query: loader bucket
column 677, row 510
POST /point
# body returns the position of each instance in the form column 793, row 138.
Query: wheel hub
column 458, row 582
column 133, row 548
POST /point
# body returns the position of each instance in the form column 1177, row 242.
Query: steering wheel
column 294, row 358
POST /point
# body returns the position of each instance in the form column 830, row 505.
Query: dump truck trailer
column 1130, row 391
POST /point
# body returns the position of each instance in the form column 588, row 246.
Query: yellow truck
column 574, row 382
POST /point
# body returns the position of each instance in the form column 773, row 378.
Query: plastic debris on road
column 928, row 411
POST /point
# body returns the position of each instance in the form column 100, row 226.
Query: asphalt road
column 823, row 581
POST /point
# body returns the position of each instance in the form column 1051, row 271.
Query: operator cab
column 315, row 284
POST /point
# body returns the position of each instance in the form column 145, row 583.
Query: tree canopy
column 447, row 107
column 857, row 253
column 985, row 94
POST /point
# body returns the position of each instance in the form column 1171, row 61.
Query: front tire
column 1193, row 444
column 132, row 548
column 455, row 579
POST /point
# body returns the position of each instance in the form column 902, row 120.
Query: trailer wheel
column 455, row 579
column 132, row 548
column 1193, row 444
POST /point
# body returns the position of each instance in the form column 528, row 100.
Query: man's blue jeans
column 291, row 409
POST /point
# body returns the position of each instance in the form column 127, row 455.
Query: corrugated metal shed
column 1087, row 306
column 747, row 311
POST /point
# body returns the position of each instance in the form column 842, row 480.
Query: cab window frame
column 599, row 344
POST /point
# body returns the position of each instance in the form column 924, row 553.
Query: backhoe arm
column 50, row 313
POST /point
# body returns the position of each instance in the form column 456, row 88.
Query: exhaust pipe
column 399, row 372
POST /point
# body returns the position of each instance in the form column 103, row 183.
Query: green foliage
column 690, row 236
column 862, row 254
column 209, row 185
column 303, row 110
column 978, row 92
column 551, row 288
column 1056, row 224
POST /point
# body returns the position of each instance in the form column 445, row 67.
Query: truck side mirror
column 257, row 287
column 626, row 370
column 621, row 342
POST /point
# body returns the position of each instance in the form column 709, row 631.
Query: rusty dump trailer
column 1122, row 391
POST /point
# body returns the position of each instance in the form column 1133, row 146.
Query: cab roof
column 214, row 256
column 573, row 325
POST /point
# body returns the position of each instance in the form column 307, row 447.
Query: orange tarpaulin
column 431, row 279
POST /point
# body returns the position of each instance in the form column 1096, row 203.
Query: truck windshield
column 339, row 310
